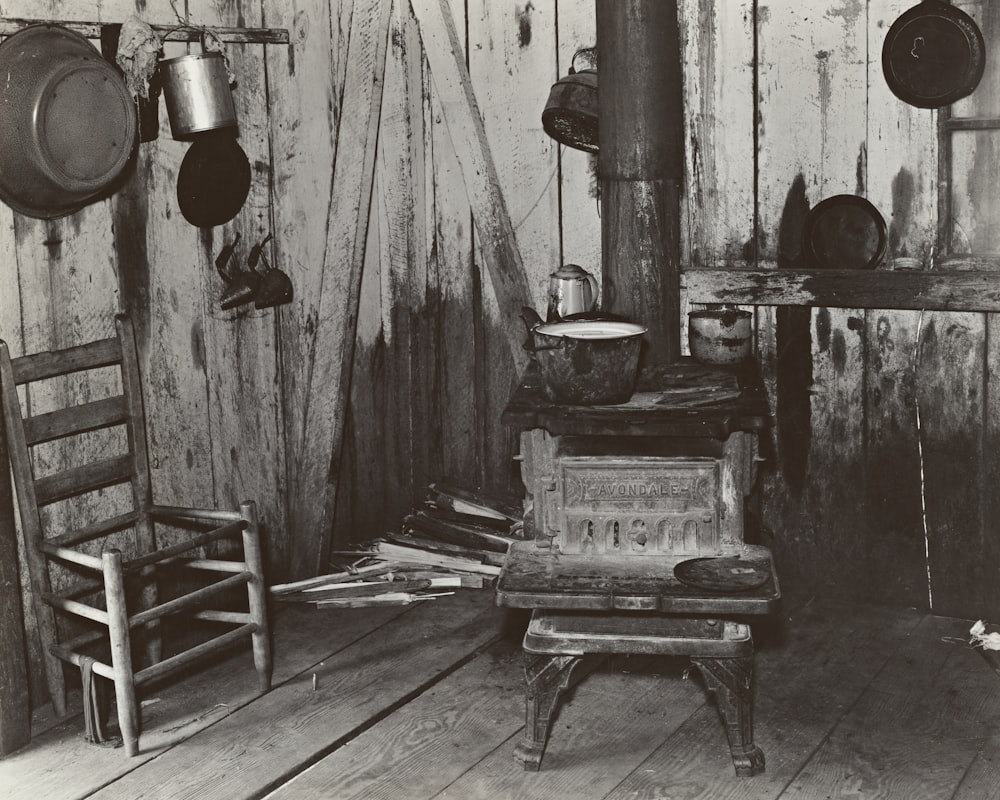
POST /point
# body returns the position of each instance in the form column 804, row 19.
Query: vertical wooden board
column 316, row 449
column 168, row 289
column 975, row 223
column 403, row 267
column 244, row 408
column 902, row 183
column 949, row 387
column 976, row 231
column 452, row 265
column 719, row 212
column 812, row 129
column 509, row 46
column 579, row 201
column 361, row 501
column 304, row 82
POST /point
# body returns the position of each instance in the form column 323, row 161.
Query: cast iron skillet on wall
column 933, row 55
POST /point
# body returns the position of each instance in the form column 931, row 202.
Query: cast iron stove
column 634, row 536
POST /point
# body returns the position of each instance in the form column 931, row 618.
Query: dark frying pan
column 214, row 179
column 844, row 231
column 933, row 55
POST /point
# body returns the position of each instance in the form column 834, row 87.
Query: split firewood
column 471, row 501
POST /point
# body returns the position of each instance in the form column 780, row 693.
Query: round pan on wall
column 933, row 55
column 214, row 179
column 844, row 232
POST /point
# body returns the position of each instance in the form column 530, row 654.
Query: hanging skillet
column 934, row 54
column 214, row 179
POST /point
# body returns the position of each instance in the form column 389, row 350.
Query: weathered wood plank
column 352, row 686
column 930, row 699
column 793, row 710
column 240, row 346
column 719, row 113
column 605, row 728
column 938, row 290
column 61, row 765
column 317, row 446
column 951, row 406
column 455, row 274
column 579, row 195
column 456, row 723
column 497, row 238
column 902, row 170
column 304, row 84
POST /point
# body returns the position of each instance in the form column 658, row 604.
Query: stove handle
column 550, row 513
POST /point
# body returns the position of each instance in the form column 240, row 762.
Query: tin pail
column 197, row 94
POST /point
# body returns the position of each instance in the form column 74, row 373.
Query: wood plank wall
column 785, row 105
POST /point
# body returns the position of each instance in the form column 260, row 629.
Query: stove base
column 556, row 644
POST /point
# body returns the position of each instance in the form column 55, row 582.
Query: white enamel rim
column 591, row 330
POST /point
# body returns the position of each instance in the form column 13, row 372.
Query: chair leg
column 547, row 677
column 54, row 676
column 121, row 650
column 257, row 597
column 731, row 681
column 152, row 634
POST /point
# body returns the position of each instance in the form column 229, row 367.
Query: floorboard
column 427, row 701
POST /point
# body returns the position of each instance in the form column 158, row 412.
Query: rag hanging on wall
column 934, row 54
column 215, row 176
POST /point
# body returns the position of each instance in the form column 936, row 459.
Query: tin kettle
column 572, row 290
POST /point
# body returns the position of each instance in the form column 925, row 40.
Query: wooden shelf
column 934, row 290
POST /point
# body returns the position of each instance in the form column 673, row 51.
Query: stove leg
column 547, row 677
column 731, row 681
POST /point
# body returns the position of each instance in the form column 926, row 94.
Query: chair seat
column 580, row 633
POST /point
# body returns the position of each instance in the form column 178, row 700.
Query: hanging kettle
column 570, row 115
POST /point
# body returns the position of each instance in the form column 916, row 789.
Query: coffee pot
column 572, row 290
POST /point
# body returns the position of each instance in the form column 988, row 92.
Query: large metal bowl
column 67, row 122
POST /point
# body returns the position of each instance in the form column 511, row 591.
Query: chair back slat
column 82, row 480
column 52, row 364
column 79, row 419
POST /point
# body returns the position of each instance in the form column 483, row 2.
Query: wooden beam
column 173, row 33
column 498, row 245
column 972, row 290
column 316, row 453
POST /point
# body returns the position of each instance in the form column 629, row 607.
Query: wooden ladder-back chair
column 93, row 552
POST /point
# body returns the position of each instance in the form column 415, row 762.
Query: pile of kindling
column 456, row 540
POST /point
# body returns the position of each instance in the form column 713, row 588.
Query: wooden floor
column 427, row 701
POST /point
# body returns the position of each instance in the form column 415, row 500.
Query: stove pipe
column 641, row 166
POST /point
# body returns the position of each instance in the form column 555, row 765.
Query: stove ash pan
column 605, row 506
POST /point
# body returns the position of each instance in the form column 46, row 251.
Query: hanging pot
column 197, row 94
column 67, row 122
column 933, row 55
column 570, row 115
column 214, row 179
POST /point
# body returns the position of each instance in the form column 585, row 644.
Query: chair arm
column 195, row 541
